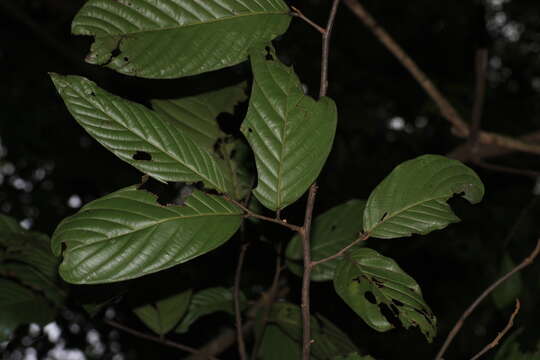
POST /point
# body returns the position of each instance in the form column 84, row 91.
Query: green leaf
column 412, row 199
column 162, row 316
column 354, row 356
column 168, row 38
column 196, row 116
column 277, row 345
column 9, row 225
column 331, row 232
column 127, row 234
column 290, row 133
column 138, row 135
column 208, row 301
column 329, row 340
column 506, row 293
column 369, row 282
column 19, row 306
column 237, row 157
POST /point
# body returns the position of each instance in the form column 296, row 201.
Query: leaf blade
column 163, row 315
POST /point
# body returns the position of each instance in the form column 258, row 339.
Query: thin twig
column 505, row 169
column 249, row 213
column 156, row 339
column 326, row 49
column 361, row 238
column 237, row 313
column 296, row 12
column 527, row 261
column 481, row 59
column 448, row 111
column 499, row 336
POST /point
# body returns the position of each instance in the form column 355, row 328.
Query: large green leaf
column 138, row 135
column 290, row 133
column 369, row 282
column 19, row 306
column 163, row 315
column 127, row 234
column 329, row 340
column 412, row 199
column 208, row 301
column 197, row 115
column 171, row 38
column 331, row 232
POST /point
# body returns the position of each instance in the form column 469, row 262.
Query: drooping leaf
column 128, row 234
column 138, row 135
column 208, row 301
column 277, row 345
column 506, row 293
column 331, row 232
column 19, row 306
column 329, row 340
column 412, row 199
column 196, row 116
column 369, row 282
column 290, row 133
column 168, row 38
column 163, row 315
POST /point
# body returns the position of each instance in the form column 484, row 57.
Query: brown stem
column 296, row 12
column 505, row 169
column 448, row 111
column 481, row 60
column 156, row 339
column 527, row 261
column 249, row 213
column 499, row 336
column 363, row 237
column 237, row 313
column 326, row 49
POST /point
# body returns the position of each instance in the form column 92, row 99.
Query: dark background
column 46, row 159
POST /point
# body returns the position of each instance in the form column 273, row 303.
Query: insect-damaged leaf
column 331, row 232
column 412, row 199
column 290, row 133
column 368, row 281
column 171, row 38
column 127, row 234
column 163, row 315
column 139, row 136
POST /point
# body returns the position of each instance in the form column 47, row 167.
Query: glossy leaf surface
column 368, row 281
column 127, row 234
column 412, row 199
column 208, row 301
column 138, row 135
column 163, row 315
column 171, row 38
column 331, row 232
column 290, row 133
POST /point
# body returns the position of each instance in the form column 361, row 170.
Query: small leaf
column 171, row 38
column 162, row 316
column 196, row 116
column 412, row 199
column 138, row 135
column 208, row 301
column 290, row 133
column 331, row 232
column 368, row 281
column 127, row 234
column 329, row 340
column 506, row 293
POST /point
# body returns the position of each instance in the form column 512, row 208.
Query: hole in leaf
column 167, row 194
column 397, row 302
column 230, row 123
column 126, row 59
column 250, row 130
column 269, row 55
column 217, row 148
column 383, row 217
column 333, row 227
column 116, row 51
column 378, row 283
column 142, row 155
column 92, row 94
column 390, row 315
column 370, row 297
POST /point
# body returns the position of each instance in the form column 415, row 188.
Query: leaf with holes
column 170, row 38
column 331, row 232
column 138, row 135
column 412, row 199
column 370, row 283
column 328, row 340
column 196, row 116
column 209, row 301
column 127, row 234
column 290, row 133
column 163, row 315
